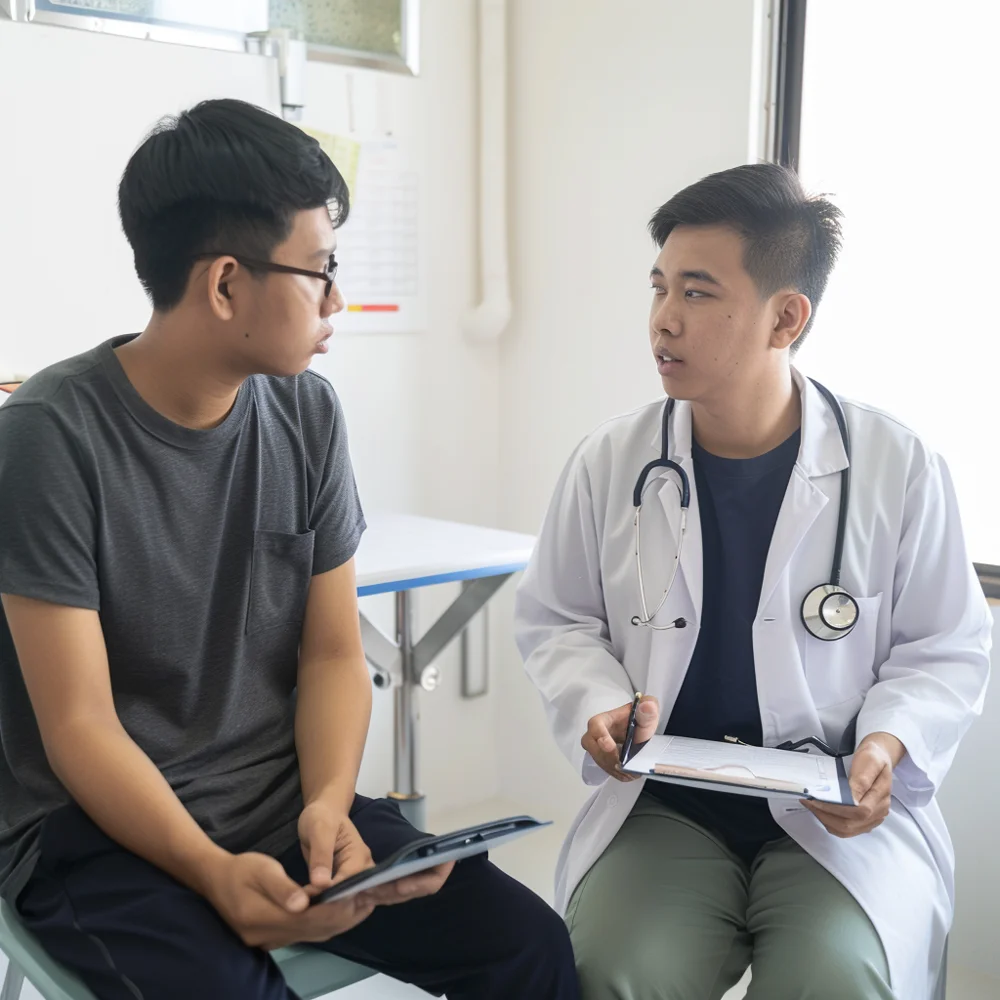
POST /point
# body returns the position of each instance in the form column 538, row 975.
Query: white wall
column 615, row 105
column 422, row 409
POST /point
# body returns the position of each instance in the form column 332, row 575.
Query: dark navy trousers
column 131, row 932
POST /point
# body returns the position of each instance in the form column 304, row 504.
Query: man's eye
column 658, row 290
column 693, row 293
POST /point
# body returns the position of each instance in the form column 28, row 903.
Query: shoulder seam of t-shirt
column 336, row 426
column 47, row 407
column 48, row 403
column 41, row 589
column 58, row 388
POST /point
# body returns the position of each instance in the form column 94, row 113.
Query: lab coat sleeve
column 561, row 624
column 932, row 685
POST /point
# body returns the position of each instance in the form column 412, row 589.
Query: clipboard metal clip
column 799, row 746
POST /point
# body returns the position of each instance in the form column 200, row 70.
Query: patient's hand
column 606, row 733
column 331, row 845
column 334, row 851
column 255, row 896
column 871, row 786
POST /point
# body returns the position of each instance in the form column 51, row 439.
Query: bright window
column 900, row 112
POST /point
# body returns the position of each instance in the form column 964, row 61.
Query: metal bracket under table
column 407, row 665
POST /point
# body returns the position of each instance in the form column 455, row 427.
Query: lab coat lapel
column 801, row 506
column 821, row 454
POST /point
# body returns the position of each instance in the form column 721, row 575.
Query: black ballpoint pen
column 630, row 730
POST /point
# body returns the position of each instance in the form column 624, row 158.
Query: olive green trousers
column 668, row 912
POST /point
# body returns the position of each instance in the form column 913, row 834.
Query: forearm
column 124, row 793
column 331, row 723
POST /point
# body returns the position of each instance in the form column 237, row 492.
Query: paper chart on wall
column 378, row 248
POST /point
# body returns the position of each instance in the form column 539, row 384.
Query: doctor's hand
column 606, row 733
column 871, row 786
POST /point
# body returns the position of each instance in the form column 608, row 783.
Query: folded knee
column 827, row 977
column 628, row 976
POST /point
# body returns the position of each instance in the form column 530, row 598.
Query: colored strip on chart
column 351, row 308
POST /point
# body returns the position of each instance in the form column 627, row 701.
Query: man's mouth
column 666, row 360
column 324, row 342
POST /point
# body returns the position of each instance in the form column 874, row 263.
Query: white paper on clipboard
column 742, row 770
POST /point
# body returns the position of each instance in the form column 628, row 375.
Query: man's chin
column 675, row 389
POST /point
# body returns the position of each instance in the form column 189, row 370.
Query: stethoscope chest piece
column 829, row 612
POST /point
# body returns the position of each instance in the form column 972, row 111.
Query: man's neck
column 168, row 371
column 750, row 420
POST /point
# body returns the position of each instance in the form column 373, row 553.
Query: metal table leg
column 405, row 666
column 406, row 718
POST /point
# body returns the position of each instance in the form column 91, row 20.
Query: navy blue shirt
column 738, row 500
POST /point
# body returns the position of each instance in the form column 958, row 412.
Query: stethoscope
column 828, row 612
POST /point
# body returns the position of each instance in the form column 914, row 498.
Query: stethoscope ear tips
column 680, row 623
column 635, row 620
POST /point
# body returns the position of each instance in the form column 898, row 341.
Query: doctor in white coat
column 670, row 894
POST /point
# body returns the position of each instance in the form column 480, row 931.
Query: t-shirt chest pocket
column 279, row 579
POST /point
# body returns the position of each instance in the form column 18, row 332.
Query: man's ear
column 217, row 288
column 792, row 312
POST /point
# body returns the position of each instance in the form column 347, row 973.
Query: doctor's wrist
column 891, row 745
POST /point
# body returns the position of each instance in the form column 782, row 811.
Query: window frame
column 46, row 12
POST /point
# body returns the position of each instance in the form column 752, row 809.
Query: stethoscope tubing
column 684, row 488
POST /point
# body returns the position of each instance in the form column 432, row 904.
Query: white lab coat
column 915, row 666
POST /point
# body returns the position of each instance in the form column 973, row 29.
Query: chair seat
column 313, row 973
column 309, row 972
column 47, row 976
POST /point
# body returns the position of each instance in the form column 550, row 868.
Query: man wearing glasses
column 184, row 698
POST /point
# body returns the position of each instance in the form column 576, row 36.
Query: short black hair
column 790, row 240
column 224, row 175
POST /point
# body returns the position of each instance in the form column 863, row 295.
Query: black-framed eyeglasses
column 251, row 263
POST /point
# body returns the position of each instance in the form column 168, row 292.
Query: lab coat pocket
column 279, row 579
column 844, row 669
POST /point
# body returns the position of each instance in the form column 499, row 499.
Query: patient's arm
column 65, row 666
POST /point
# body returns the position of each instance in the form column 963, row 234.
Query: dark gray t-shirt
column 196, row 548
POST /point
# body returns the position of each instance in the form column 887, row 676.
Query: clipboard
column 738, row 769
column 428, row 852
